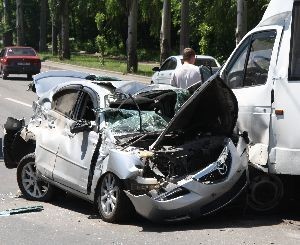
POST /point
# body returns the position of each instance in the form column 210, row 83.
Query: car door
column 250, row 74
column 76, row 149
column 166, row 70
column 51, row 129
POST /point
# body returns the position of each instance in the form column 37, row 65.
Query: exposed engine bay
column 163, row 168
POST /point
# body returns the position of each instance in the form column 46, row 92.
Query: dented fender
column 123, row 164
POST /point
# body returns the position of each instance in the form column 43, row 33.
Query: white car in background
column 164, row 73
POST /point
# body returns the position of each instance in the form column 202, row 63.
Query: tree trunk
column 54, row 35
column 241, row 27
column 184, row 29
column 20, row 22
column 7, row 33
column 132, row 60
column 165, row 32
column 43, row 26
column 54, row 10
column 65, row 54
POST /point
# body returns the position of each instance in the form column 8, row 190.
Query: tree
column 53, row 6
column 20, row 22
column 165, row 31
column 184, row 30
column 132, row 60
column 64, row 15
column 43, row 26
column 241, row 20
column 7, row 30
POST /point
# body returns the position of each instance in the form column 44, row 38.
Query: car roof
column 198, row 56
column 19, row 47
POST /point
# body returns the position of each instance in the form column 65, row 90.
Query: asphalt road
column 68, row 220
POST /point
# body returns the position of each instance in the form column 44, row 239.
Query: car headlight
column 220, row 170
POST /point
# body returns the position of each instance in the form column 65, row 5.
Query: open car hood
column 213, row 108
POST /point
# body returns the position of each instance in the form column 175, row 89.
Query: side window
column 172, row 64
column 169, row 64
column 65, row 101
column 235, row 74
column 250, row 66
column 259, row 59
column 86, row 109
column 294, row 67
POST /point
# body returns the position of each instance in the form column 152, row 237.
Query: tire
column 32, row 188
column 265, row 193
column 29, row 76
column 4, row 74
column 112, row 203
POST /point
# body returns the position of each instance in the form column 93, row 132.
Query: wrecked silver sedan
column 147, row 152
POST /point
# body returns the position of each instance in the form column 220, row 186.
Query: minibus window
column 259, row 58
column 236, row 67
column 236, row 74
column 294, row 68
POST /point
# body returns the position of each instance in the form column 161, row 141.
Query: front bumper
column 18, row 69
column 191, row 205
column 199, row 197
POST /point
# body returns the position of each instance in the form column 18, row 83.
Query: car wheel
column 31, row 187
column 112, row 203
column 3, row 74
column 265, row 193
column 29, row 76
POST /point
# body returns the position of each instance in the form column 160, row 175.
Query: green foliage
column 88, row 46
column 102, row 46
column 101, row 25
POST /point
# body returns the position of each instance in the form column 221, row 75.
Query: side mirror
column 80, row 126
column 156, row 68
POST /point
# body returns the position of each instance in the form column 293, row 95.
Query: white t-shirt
column 185, row 76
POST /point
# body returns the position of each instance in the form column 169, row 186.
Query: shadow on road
column 230, row 217
column 17, row 78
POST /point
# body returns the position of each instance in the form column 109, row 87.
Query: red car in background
column 19, row 60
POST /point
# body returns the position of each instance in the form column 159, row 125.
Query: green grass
column 91, row 61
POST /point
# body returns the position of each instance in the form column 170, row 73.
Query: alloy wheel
column 32, row 185
column 109, row 194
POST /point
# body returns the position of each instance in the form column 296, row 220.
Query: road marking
column 18, row 102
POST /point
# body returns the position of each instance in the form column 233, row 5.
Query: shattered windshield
column 128, row 121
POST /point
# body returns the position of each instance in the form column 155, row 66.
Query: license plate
column 23, row 63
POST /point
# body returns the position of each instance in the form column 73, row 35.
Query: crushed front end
column 187, row 181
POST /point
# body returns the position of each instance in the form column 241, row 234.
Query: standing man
column 188, row 73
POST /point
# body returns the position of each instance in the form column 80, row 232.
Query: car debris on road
column 22, row 210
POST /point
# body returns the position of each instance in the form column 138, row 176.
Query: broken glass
column 128, row 121
column 182, row 97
